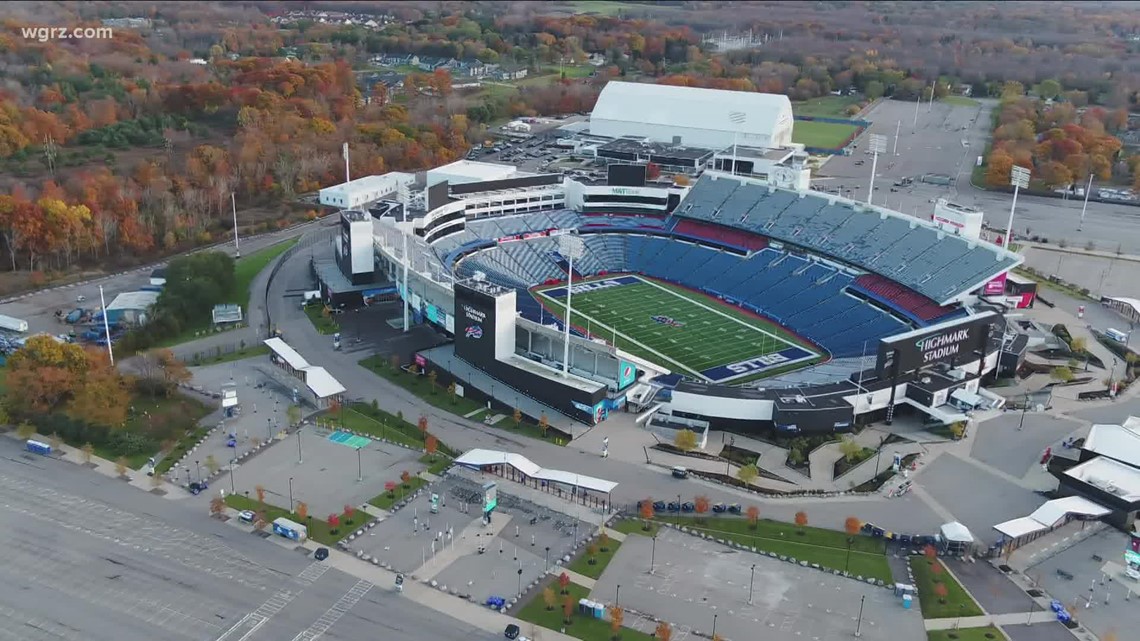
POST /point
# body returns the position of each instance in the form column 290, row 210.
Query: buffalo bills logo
column 626, row 373
column 665, row 320
column 473, row 331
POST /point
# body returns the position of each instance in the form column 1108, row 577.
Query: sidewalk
column 465, row 544
column 1015, row 618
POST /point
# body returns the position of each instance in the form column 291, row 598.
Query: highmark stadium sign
column 937, row 348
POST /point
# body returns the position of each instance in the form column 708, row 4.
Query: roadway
column 90, row 557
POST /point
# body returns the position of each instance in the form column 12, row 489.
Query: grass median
column 593, row 565
column 828, row 548
column 386, row 500
column 319, row 529
column 580, row 626
column 956, row 603
column 987, row 633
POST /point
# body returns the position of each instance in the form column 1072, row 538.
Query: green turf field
column 826, row 106
column 693, row 333
column 828, row 135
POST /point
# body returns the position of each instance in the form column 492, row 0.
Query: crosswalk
column 333, row 614
column 251, row 622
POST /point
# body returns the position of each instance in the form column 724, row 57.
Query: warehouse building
column 692, row 116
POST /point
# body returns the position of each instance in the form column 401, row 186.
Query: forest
column 126, row 149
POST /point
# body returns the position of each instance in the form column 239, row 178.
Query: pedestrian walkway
column 1015, row 618
column 1051, row 544
column 536, row 496
column 580, row 579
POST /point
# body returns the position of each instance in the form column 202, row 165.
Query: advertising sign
column 421, row 361
column 627, row 373
column 474, row 325
column 490, row 496
column 958, row 340
column 995, row 287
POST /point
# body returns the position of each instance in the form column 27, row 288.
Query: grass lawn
column 828, row 548
column 436, row 463
column 958, row 603
column 966, row 634
column 319, row 530
column 174, row 415
column 227, row 357
column 825, row 107
column 385, row 502
column 421, row 387
column 580, row 626
column 959, row 101
column 634, row 526
column 828, row 135
column 324, row 324
column 571, row 71
column 377, row 423
column 582, row 564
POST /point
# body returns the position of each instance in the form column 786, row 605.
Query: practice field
column 687, row 332
column 828, row 135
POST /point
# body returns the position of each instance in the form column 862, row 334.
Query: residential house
column 511, row 73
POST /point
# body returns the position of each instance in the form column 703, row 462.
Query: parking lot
column 934, row 146
column 1101, row 605
column 445, row 546
column 695, row 580
column 324, row 472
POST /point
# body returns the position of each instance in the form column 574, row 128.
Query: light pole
column 714, row 626
column 1085, row 207
column 359, row 469
column 198, row 470
column 878, row 146
column 898, row 126
column 751, row 583
column 1019, row 178
column 106, row 327
column 233, row 203
column 547, row 560
column 653, row 554
column 290, row 494
column 298, row 445
column 1024, row 409
column 859, row 623
column 617, row 597
column 268, row 429
column 571, row 247
column 233, row 466
column 520, row 581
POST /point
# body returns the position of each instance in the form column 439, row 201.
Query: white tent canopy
column 955, row 532
column 1050, row 515
column 479, row 458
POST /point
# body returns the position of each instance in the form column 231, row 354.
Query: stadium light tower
column 571, row 247
column 878, row 146
column 1018, row 177
column 737, row 118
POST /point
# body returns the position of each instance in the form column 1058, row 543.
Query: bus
column 1116, row 335
column 290, row 529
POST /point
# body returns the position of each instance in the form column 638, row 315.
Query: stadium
column 742, row 301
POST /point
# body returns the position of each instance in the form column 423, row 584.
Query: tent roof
column 286, row 353
column 956, row 532
column 479, row 458
column 322, row 384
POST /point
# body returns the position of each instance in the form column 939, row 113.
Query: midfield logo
column 665, row 320
column 473, row 332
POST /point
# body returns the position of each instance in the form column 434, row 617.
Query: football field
column 687, row 332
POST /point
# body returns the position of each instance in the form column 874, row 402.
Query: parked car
column 321, row 554
column 720, row 508
column 659, row 506
column 688, row 506
column 674, row 506
column 197, row 487
column 680, row 473
column 734, row 508
column 247, row 516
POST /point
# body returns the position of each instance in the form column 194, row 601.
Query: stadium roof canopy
column 706, row 118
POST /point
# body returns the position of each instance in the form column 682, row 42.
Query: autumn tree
column 25, row 430
column 801, row 521
column 851, row 526
column 1061, row 374
column 567, row 607
column 617, row 616
column 349, row 513
column 753, row 516
column 212, row 464
column 334, row 523
column 517, row 416
column 701, row 507
column 88, row 451
column 432, row 376
column 121, row 466
column 663, row 632
column 431, row 444
column 564, row 583
column 543, row 424
column 592, row 554
column 302, row 510
column 422, row 424
column 43, row 375
column 748, row 474
column 685, row 440
column 390, row 488
column 604, row 541
column 549, row 598
column 260, row 520
column 102, row 397
column 941, row 592
column 451, row 392
column 849, row 449
column 405, row 478
column 645, row 510
column 260, row 491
